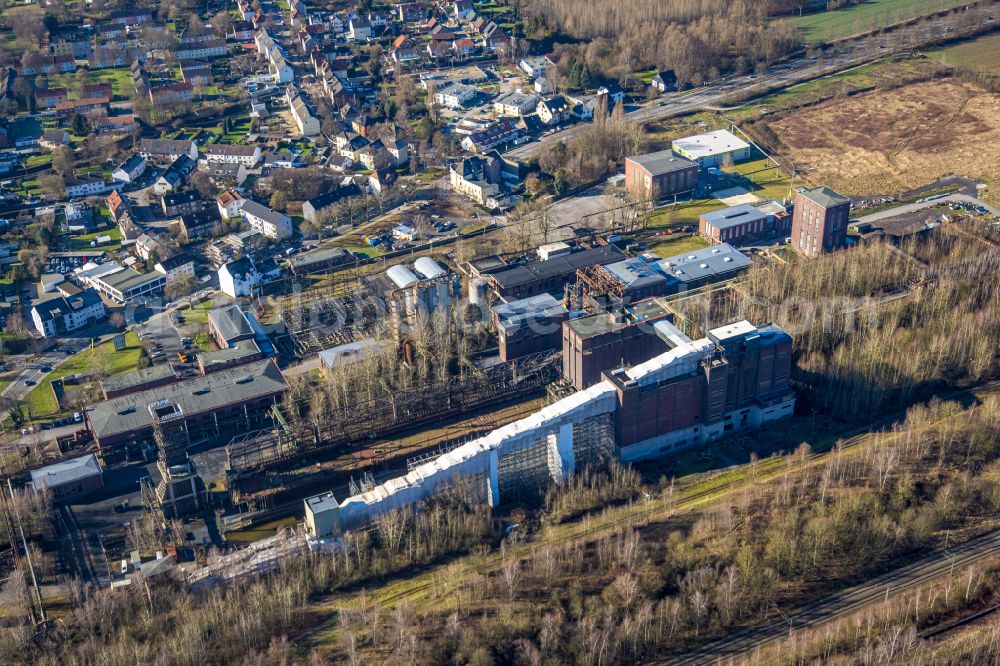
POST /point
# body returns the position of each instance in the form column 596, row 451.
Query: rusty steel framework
column 355, row 428
column 320, row 324
column 598, row 281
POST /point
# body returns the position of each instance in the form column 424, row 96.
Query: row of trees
column 595, row 149
column 697, row 39
column 859, row 346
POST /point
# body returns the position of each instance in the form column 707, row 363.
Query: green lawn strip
column 102, row 358
column 850, row 20
column 680, row 245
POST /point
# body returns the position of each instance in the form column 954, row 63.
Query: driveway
column 913, row 207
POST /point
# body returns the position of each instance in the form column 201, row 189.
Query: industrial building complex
column 734, row 379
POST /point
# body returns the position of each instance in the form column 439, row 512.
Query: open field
column 858, row 79
column 887, row 141
column 870, row 15
column 977, row 55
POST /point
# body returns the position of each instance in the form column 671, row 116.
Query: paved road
column 913, row 207
column 837, row 58
column 31, row 372
column 939, row 564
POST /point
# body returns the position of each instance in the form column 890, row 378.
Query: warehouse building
column 639, row 278
column 660, row 175
column 123, row 285
column 216, row 408
column 734, row 224
column 713, row 148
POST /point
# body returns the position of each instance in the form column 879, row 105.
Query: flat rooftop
column 734, row 216
column 662, row 162
column 515, row 276
column 194, row 396
column 241, row 349
column 718, row 142
column 139, row 377
column 606, row 322
column 715, row 261
column 128, row 279
column 516, row 313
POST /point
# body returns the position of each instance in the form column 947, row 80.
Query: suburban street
column 940, row 563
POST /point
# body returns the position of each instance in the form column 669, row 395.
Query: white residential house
column 305, row 121
column 535, row 66
column 455, row 96
column 64, row 314
column 554, row 110
column 400, row 151
column 231, row 153
column 514, row 104
column 359, row 28
column 130, row 169
column 269, row 222
column 238, row 278
column 229, row 203
column 179, row 266
column 85, row 187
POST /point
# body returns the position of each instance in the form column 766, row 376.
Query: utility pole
column 27, row 553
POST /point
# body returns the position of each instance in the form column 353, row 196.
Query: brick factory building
column 660, row 175
column 216, row 407
column 608, row 340
column 819, row 221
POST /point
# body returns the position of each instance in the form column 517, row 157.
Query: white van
column 124, row 567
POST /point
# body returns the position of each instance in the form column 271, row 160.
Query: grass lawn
column 83, row 241
column 685, row 212
column 976, row 55
column 103, row 358
column 771, row 181
column 680, row 245
column 198, row 313
column 646, row 76
column 37, row 160
column 870, row 15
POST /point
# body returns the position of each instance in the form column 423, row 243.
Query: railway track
column 937, row 565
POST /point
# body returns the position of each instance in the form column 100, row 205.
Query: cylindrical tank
column 402, row 276
column 429, row 268
column 477, row 291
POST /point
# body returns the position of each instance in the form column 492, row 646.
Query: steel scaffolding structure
column 593, row 441
column 320, row 324
column 424, row 403
column 523, row 474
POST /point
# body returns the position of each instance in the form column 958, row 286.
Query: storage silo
column 477, row 291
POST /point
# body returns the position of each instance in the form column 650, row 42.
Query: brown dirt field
column 888, row 141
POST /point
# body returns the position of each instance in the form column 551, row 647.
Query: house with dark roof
column 228, row 325
column 312, row 207
column 62, row 315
